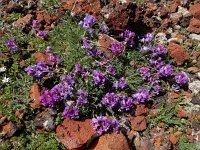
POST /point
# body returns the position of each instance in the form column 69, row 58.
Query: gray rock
column 195, row 86
column 195, row 36
column 45, row 120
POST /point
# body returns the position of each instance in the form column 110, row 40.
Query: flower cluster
column 113, row 100
column 116, row 48
column 54, row 59
column 142, row 95
column 98, row 77
column 87, row 23
column 121, row 84
column 145, row 73
column 82, row 97
column 70, row 112
column 102, row 125
column 35, row 24
column 128, row 37
column 43, row 34
column 181, row 79
column 12, row 45
column 166, row 71
column 38, row 70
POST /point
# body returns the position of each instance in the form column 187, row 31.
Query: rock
column 175, row 40
column 67, row 4
column 190, row 138
column 141, row 109
column 195, row 100
column 45, row 120
column 175, row 17
column 9, row 129
column 35, row 96
column 112, row 141
column 181, row 113
column 92, row 7
column 195, row 10
column 104, row 42
column 142, row 143
column 173, row 139
column 2, row 120
column 31, row 3
column 189, row 131
column 195, row 37
column 118, row 14
column 23, row 22
column 41, row 57
column 76, row 134
column 138, row 123
column 183, row 11
column 195, row 86
column 178, row 53
column 161, row 38
column 193, row 69
column 157, row 142
column 194, row 25
column 174, row 7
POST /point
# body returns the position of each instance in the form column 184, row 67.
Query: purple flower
column 110, row 70
column 101, row 124
column 98, row 77
column 104, row 28
column 121, row 84
column 159, row 50
column 157, row 63
column 35, row 24
column 145, row 49
column 141, row 96
column 47, row 99
column 69, row 79
column 115, row 125
column 42, row 34
column 128, row 37
column 82, row 97
column 48, row 49
column 145, row 73
column 78, row 69
column 86, row 44
column 54, row 59
column 166, row 71
column 39, row 70
column 110, row 99
column 116, row 48
column 12, row 45
column 126, row 103
column 155, row 87
column 181, row 78
column 70, row 112
column 87, row 23
column 147, row 38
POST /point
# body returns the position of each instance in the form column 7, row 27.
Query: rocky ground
column 168, row 121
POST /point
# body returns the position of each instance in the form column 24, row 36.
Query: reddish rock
column 76, row 134
column 195, row 10
column 161, row 124
column 181, row 113
column 92, row 7
column 9, row 129
column 112, row 141
column 19, row 114
column 173, row 139
column 67, row 4
column 190, row 138
column 118, row 14
column 23, row 22
column 178, row 53
column 35, row 96
column 194, row 25
column 198, row 117
column 142, row 144
column 138, row 123
column 189, row 131
column 174, row 7
column 41, row 57
column 157, row 142
column 178, row 134
column 141, row 109
column 104, row 42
